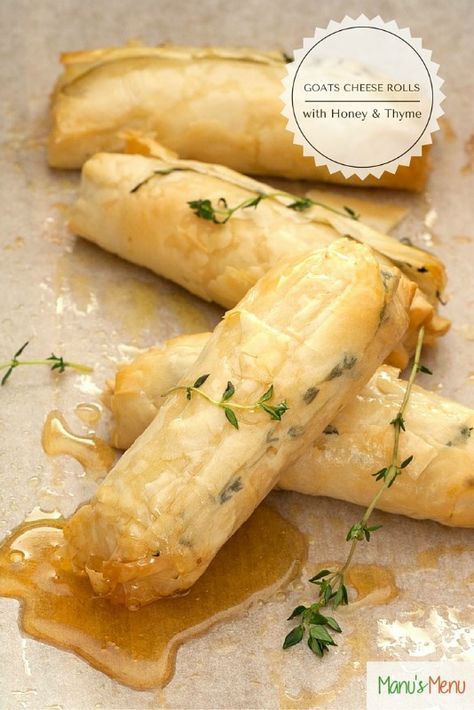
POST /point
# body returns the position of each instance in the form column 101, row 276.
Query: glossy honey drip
column 374, row 584
column 93, row 453
column 88, row 412
column 138, row 648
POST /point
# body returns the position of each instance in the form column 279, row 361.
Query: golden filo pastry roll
column 206, row 103
column 138, row 207
column 438, row 484
column 300, row 339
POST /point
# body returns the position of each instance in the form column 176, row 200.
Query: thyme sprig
column 55, row 362
column 221, row 213
column 274, row 411
column 331, row 583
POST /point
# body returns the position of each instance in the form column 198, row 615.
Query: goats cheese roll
column 211, row 104
column 138, row 207
column 438, row 484
column 305, row 338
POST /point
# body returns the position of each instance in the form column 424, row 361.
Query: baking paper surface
column 68, row 296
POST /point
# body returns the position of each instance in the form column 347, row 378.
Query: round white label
column 362, row 97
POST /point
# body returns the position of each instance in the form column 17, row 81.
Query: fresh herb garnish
column 302, row 204
column 55, row 362
column 351, row 212
column 221, row 213
column 331, row 583
column 274, row 411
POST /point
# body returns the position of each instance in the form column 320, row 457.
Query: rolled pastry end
column 136, row 393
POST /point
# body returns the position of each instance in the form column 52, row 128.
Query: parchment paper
column 67, row 295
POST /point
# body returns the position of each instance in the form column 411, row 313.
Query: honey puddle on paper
column 88, row 412
column 430, row 558
column 138, row 648
column 93, row 453
column 374, row 584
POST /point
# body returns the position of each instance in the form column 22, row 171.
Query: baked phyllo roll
column 172, row 216
column 438, row 484
column 272, row 376
column 211, row 104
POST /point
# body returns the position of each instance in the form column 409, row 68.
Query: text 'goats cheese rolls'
column 211, row 104
column 315, row 329
column 137, row 207
column 438, row 484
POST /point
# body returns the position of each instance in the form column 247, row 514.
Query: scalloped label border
column 340, row 131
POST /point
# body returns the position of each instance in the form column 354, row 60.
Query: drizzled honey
column 88, row 412
column 92, row 452
column 374, row 584
column 138, row 648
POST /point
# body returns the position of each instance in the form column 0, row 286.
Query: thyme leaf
column 332, row 588
column 228, row 392
column 230, row 415
column 200, row 381
column 276, row 412
column 351, row 212
column 294, row 636
column 301, row 204
column 426, row 370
